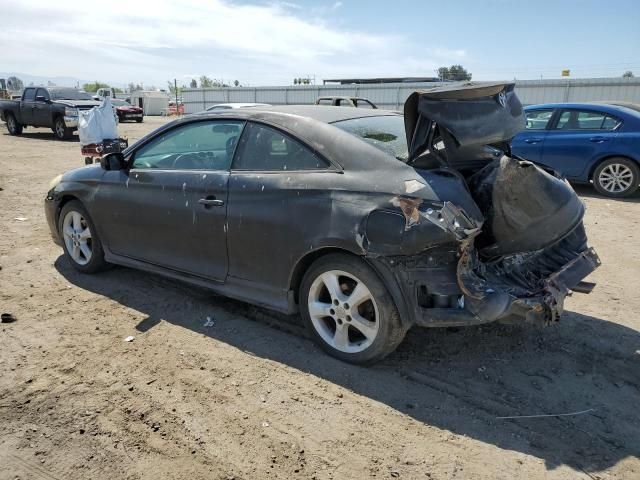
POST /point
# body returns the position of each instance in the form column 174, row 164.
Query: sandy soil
column 251, row 398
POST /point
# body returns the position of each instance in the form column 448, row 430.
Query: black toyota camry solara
column 366, row 222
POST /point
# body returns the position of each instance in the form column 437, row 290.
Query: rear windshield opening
column 385, row 132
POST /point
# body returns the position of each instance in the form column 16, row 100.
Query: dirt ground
column 251, row 398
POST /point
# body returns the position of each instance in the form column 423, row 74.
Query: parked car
column 229, row 106
column 331, row 212
column 585, row 142
column 53, row 107
column 126, row 111
column 345, row 102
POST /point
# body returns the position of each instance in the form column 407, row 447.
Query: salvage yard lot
column 250, row 397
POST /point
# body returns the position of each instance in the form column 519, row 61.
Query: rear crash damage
column 514, row 245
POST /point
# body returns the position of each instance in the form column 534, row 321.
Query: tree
column 236, row 83
column 194, row 83
column 172, row 87
column 14, row 83
column 628, row 74
column 93, row 87
column 205, row 82
column 456, row 73
column 132, row 87
column 117, row 90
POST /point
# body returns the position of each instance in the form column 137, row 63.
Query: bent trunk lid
column 464, row 116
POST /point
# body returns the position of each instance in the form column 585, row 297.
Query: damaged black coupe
column 366, row 222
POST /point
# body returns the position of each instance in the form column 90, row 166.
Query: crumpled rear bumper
column 544, row 306
column 455, row 286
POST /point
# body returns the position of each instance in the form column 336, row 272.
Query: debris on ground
column 8, row 318
column 129, row 338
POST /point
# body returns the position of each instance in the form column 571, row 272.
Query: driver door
column 170, row 208
column 41, row 108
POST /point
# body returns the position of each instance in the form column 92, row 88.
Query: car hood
column 78, row 103
column 468, row 116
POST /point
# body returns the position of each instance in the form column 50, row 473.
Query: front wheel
column 139, row 120
column 60, row 129
column 80, row 241
column 349, row 311
column 13, row 126
column 616, row 177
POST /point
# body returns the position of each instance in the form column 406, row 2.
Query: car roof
column 321, row 113
column 238, row 105
column 341, row 96
column 309, row 123
column 612, row 107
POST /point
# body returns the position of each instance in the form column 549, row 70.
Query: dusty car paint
column 438, row 249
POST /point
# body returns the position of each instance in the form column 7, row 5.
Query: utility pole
column 175, row 89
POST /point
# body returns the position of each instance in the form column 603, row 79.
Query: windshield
column 69, row 94
column 120, row 103
column 385, row 132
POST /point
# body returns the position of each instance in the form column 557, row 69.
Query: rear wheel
column 139, row 120
column 616, row 177
column 13, row 126
column 80, row 241
column 60, row 129
column 349, row 311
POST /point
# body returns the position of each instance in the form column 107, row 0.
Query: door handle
column 598, row 139
column 532, row 140
column 211, row 201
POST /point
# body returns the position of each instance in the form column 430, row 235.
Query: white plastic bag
column 97, row 124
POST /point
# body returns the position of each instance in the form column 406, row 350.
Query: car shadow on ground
column 458, row 380
column 590, row 192
column 43, row 134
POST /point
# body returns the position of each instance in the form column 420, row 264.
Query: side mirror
column 112, row 161
column 40, row 98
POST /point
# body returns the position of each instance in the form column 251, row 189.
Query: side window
column 585, row 120
column 363, row 103
column 30, row 94
column 41, row 92
column 610, row 123
column 538, row 119
column 207, row 145
column 266, row 149
column 325, row 101
column 344, row 102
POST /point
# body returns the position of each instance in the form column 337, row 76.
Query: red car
column 126, row 111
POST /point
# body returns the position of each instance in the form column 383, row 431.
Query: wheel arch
column 386, row 277
column 303, row 264
column 599, row 162
column 66, row 198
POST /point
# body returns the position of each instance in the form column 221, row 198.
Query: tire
column 13, row 126
column 139, row 120
column 60, row 130
column 76, row 217
column 616, row 177
column 361, row 333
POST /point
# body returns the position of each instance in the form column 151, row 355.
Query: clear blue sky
column 503, row 38
column 270, row 42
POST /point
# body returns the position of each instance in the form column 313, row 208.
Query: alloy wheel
column 60, row 129
column 77, row 237
column 343, row 311
column 11, row 123
column 616, row 178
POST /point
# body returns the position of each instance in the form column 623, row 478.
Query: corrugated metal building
column 392, row 96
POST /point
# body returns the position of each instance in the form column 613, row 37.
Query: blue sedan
column 585, row 142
